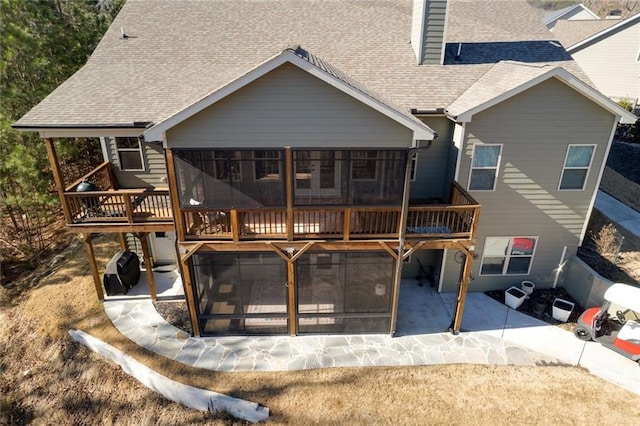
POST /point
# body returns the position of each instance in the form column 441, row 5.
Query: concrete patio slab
column 492, row 334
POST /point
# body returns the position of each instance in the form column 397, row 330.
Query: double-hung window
column 576, row 167
column 364, row 165
column 508, row 255
column 267, row 164
column 484, row 167
column 129, row 154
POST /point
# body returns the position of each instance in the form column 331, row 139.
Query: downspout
column 402, row 232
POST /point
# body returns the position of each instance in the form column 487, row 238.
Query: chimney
column 428, row 30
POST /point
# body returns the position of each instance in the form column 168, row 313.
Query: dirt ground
column 45, row 378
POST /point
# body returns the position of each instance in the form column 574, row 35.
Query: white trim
column 564, row 166
column 597, row 184
column 139, row 150
column 85, row 133
column 442, row 270
column 560, row 266
column 624, row 116
column 508, row 256
column 571, row 9
column 420, row 130
column 459, row 131
column 497, row 168
column 105, row 151
column 444, row 32
column 575, row 47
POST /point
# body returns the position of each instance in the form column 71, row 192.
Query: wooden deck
column 341, row 223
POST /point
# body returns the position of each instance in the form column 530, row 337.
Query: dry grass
column 45, row 378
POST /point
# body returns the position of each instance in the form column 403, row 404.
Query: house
column 296, row 159
column 577, row 12
column 608, row 50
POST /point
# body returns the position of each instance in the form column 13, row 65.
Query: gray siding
column 435, row 21
column 432, row 175
column 536, row 128
column 289, row 107
column 155, row 168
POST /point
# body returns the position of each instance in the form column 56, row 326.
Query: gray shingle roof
column 179, row 51
column 571, row 32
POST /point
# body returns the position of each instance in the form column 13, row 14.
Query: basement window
column 508, row 255
column 129, row 152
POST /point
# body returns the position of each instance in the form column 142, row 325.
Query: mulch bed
column 545, row 296
column 175, row 313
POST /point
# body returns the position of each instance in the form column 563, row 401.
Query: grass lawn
column 45, row 378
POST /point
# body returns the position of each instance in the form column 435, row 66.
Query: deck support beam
column 57, row 177
column 91, row 255
column 462, row 292
column 148, row 263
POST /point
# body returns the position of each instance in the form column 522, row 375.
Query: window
column 129, row 154
column 228, row 165
column 414, row 167
column 267, row 164
column 576, row 167
column 508, row 255
column 363, row 165
column 484, row 167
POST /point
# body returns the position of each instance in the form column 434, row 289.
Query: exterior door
column 317, row 174
column 163, row 247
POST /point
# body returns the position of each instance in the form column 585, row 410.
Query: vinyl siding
column 535, row 128
column 289, row 107
column 155, row 168
column 432, row 176
column 620, row 77
column 433, row 41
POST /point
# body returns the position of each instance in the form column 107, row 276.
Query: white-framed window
column 577, row 163
column 484, row 167
column 267, row 164
column 364, row 165
column 414, row 167
column 129, row 154
column 508, row 255
column 228, row 165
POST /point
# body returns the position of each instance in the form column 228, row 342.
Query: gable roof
column 179, row 52
column 571, row 32
column 562, row 14
column 507, row 79
column 619, row 25
column 314, row 66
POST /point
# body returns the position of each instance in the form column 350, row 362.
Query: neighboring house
column 308, row 155
column 571, row 13
column 608, row 50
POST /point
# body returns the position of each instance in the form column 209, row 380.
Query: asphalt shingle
column 178, row 52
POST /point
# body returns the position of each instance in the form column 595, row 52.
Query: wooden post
column 178, row 218
column 188, row 292
column 462, row 294
column 88, row 246
column 57, row 177
column 235, row 226
column 148, row 264
column 346, row 231
column 291, row 287
column 289, row 179
column 123, row 241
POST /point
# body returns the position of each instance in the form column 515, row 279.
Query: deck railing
column 101, row 176
column 124, row 206
column 455, row 220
